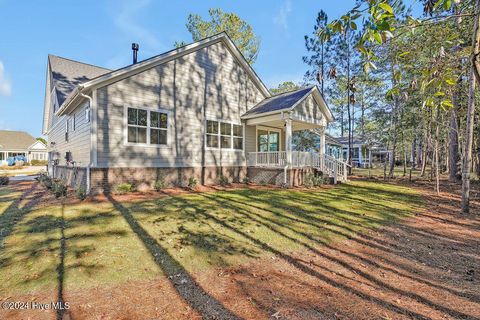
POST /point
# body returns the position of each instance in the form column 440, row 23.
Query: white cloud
column 5, row 84
column 281, row 18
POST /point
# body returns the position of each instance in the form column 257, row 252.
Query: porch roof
column 287, row 102
column 279, row 102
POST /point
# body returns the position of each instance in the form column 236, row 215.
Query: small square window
column 212, row 127
column 226, row 142
column 225, row 128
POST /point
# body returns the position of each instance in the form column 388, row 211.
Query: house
column 199, row 111
column 331, row 147
column 364, row 154
column 20, row 143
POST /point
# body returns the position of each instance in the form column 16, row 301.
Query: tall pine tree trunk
column 474, row 75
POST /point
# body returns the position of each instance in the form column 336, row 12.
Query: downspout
column 90, row 104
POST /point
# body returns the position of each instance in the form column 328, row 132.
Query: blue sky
column 101, row 33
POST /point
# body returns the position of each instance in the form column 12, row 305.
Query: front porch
column 269, row 129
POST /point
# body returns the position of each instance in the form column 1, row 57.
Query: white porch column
column 288, row 140
column 323, row 148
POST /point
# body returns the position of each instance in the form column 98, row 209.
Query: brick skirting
column 105, row 179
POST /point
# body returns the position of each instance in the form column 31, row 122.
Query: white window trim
column 268, row 129
column 220, row 135
column 148, row 145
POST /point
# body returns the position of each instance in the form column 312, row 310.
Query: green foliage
column 223, row 180
column 81, row 192
column 42, row 140
column 4, row 180
column 59, row 189
column 263, row 183
column 311, row 180
column 304, row 140
column 159, row 184
column 246, row 180
column 39, row 162
column 192, row 183
column 45, row 180
column 284, row 87
column 237, row 29
column 124, row 188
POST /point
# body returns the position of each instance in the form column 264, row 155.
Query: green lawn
column 98, row 244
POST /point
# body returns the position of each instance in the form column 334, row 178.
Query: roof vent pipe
column 135, row 52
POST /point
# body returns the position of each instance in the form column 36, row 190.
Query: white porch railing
column 278, row 159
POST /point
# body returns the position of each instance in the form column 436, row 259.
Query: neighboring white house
column 14, row 143
column 199, row 111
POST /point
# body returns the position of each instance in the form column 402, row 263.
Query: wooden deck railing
column 278, row 159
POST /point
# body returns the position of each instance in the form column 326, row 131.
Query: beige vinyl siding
column 78, row 139
column 205, row 84
column 308, row 110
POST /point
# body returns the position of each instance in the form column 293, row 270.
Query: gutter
column 90, row 106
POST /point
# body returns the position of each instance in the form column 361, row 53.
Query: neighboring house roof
column 331, row 140
column 16, row 140
column 286, row 102
column 67, row 74
column 141, row 66
column 356, row 140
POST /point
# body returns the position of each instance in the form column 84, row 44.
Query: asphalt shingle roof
column 67, row 74
column 15, row 140
column 279, row 102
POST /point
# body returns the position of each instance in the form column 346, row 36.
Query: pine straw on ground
column 426, row 266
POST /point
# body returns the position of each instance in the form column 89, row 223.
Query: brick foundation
column 105, row 179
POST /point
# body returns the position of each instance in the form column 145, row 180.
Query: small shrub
column 39, row 162
column 263, row 183
column 4, row 180
column 45, row 180
column 246, row 180
column 159, row 184
column 123, row 188
column 311, row 181
column 81, row 192
column 223, row 180
column 59, row 189
column 192, row 183
column 308, row 181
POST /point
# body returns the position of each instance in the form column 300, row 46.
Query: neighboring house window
column 148, row 127
column 224, row 135
column 2, row 156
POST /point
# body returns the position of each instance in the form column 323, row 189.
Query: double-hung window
column 224, row 135
column 147, row 126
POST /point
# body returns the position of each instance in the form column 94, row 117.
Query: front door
column 268, row 140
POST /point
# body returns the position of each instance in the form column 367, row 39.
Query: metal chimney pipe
column 135, row 52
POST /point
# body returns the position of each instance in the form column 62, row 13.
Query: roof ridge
column 80, row 62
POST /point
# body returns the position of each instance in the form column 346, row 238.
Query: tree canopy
column 237, row 29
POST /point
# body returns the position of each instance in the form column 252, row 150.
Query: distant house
column 364, row 154
column 15, row 143
column 199, row 111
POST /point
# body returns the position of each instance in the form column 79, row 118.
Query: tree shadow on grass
column 275, row 226
column 205, row 304
column 202, row 211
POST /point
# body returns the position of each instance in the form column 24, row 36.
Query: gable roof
column 279, row 102
column 163, row 58
column 15, row 140
column 355, row 140
column 287, row 102
column 67, row 74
